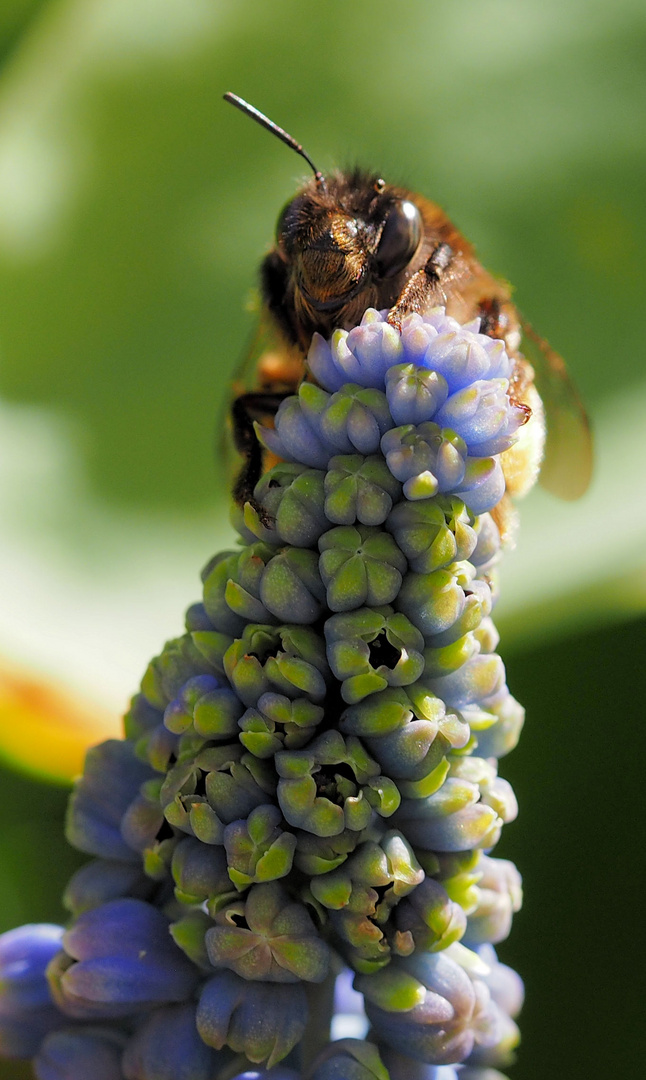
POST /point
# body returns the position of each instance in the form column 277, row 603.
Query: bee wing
column 568, row 460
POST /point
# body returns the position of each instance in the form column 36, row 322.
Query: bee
column 348, row 241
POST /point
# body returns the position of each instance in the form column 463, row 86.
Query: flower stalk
column 308, row 779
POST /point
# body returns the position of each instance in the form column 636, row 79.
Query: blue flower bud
column 483, row 484
column 262, row 1020
column 426, row 458
column 27, row 1012
column 167, row 1046
column 483, row 416
column 488, row 541
column 464, row 357
column 121, row 958
column 76, row 1054
column 297, row 434
column 414, row 394
column 111, row 781
column 361, row 356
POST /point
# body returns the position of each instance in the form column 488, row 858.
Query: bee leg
column 493, row 321
column 424, row 289
column 245, row 410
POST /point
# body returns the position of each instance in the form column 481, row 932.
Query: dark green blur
column 122, row 307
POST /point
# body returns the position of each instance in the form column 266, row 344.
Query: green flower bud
column 294, row 496
column 349, row 1059
column 432, row 533
column 432, row 919
column 215, row 576
column 361, row 894
column 192, row 814
column 507, row 719
column 319, row 854
column 233, row 781
column 454, row 818
column 165, row 676
column 332, row 785
column 268, row 937
column 257, row 849
column 189, row 933
column 370, row 649
column 199, row 872
column 360, row 565
column 291, row 587
column 359, row 489
column 278, row 723
column 287, row 659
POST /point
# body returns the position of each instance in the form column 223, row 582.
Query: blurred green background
column 134, row 209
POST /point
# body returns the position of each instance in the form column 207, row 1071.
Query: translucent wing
column 567, row 464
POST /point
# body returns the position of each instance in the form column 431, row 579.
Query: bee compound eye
column 400, row 238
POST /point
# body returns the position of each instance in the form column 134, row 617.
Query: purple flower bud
column 27, row 1012
column 262, row 1020
column 349, row 1059
column 105, row 879
column 121, row 958
column 76, row 1054
column 111, row 780
column 441, row 1014
column 167, row 1046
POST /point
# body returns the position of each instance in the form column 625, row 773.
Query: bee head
column 343, row 244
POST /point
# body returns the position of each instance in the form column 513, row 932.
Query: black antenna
column 265, row 122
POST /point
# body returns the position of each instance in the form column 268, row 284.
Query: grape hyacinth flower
column 307, row 791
